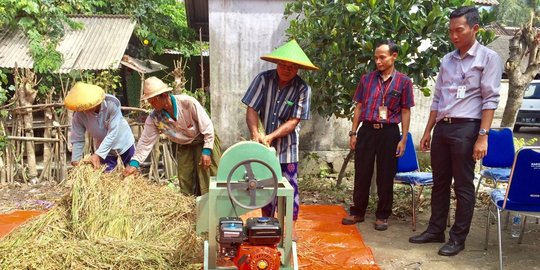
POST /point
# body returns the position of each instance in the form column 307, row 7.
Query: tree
column 340, row 36
column 510, row 12
column 524, row 45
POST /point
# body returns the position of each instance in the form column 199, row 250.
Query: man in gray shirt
column 465, row 99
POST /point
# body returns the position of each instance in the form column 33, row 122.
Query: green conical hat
column 290, row 52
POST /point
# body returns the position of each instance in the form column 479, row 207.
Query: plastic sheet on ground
column 10, row 221
column 324, row 243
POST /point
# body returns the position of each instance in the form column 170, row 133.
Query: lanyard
column 385, row 91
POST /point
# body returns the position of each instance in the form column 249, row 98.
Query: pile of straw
column 108, row 222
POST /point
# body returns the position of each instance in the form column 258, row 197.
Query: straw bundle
column 108, row 222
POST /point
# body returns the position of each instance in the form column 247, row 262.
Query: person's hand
column 258, row 137
column 352, row 142
column 400, row 149
column 268, row 139
column 205, row 162
column 75, row 163
column 96, row 161
column 480, row 148
column 129, row 170
column 425, row 142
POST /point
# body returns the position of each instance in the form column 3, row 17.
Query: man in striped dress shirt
column 383, row 99
column 280, row 99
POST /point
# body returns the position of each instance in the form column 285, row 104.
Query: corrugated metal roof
column 142, row 66
column 486, row 2
column 499, row 29
column 99, row 45
column 197, row 16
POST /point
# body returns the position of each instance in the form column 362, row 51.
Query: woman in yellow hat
column 98, row 114
column 280, row 98
column 185, row 122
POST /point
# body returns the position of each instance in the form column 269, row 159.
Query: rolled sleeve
column 77, row 137
column 114, row 119
column 490, row 85
column 205, row 125
column 437, row 93
column 149, row 137
column 302, row 108
column 407, row 96
column 254, row 94
column 359, row 92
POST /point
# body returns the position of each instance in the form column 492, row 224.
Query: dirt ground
column 390, row 248
column 393, row 251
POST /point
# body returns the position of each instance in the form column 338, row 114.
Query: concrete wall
column 243, row 30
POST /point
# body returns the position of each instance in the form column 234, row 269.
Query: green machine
column 249, row 177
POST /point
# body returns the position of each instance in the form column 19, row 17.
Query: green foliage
column 201, row 96
column 3, row 142
column 3, row 91
column 516, row 12
column 162, row 23
column 109, row 80
column 43, row 23
column 340, row 37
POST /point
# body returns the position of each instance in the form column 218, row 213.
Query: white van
column 529, row 113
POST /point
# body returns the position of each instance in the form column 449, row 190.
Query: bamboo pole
column 32, row 139
column 62, row 149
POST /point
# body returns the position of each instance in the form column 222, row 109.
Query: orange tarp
column 9, row 221
column 324, row 243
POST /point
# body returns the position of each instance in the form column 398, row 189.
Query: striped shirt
column 396, row 91
column 480, row 71
column 276, row 106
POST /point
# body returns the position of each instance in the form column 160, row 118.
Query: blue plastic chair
column 522, row 194
column 497, row 163
column 408, row 174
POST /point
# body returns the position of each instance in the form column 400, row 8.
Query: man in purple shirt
column 383, row 100
column 465, row 99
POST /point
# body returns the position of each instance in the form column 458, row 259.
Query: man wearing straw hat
column 280, row 98
column 185, row 122
column 100, row 115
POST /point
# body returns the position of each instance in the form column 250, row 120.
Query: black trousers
column 451, row 157
column 375, row 144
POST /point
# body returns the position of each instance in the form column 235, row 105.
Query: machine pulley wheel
column 251, row 184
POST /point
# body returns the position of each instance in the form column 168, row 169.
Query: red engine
column 253, row 247
column 257, row 258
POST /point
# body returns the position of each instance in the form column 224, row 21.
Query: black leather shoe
column 451, row 248
column 351, row 220
column 381, row 224
column 426, row 237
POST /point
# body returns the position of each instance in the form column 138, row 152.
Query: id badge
column 383, row 112
column 461, row 91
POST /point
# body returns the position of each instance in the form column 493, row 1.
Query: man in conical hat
column 280, row 99
column 100, row 115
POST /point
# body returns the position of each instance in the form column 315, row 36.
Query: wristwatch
column 483, row 132
column 352, row 133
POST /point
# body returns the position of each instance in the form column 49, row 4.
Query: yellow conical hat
column 83, row 97
column 290, row 52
